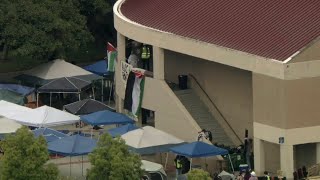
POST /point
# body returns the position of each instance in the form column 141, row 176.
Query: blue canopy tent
column 72, row 146
column 199, row 149
column 101, row 68
column 106, row 118
column 49, row 134
column 118, row 131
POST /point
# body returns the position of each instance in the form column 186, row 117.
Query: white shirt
column 133, row 60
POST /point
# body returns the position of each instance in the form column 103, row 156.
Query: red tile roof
column 269, row 28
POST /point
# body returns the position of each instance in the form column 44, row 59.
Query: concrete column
column 158, row 63
column 259, row 156
column 318, row 153
column 287, row 160
column 121, row 48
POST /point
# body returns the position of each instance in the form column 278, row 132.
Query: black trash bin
column 183, row 81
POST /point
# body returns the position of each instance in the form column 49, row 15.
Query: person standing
column 145, row 56
column 178, row 165
column 253, row 176
column 266, row 175
column 133, row 60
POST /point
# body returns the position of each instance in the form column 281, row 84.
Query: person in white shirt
column 133, row 60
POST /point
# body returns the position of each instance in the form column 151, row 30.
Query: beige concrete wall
column 230, row 88
column 302, row 102
column 309, row 53
column 305, row 155
column 268, row 100
column 272, row 157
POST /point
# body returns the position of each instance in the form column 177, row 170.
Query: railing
column 216, row 107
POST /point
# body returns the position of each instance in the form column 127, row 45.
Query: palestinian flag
column 134, row 93
column 112, row 57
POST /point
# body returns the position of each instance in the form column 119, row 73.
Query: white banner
column 125, row 70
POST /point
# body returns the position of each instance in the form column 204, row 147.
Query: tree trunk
column 5, row 52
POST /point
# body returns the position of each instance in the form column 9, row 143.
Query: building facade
column 253, row 66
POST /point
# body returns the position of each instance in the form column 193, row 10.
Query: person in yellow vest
column 145, row 56
column 266, row 175
column 178, row 165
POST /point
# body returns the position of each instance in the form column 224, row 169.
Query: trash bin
column 183, row 81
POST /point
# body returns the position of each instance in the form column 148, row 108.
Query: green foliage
column 196, row 174
column 48, row 28
column 25, row 157
column 111, row 160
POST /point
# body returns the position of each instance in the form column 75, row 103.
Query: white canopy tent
column 8, row 109
column 44, row 116
column 149, row 137
column 152, row 167
column 149, row 140
column 8, row 126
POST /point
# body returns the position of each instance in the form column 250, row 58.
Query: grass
column 82, row 56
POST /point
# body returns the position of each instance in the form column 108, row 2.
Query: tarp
column 152, row 167
column 58, row 68
column 86, row 106
column 198, row 149
column 49, row 134
column 65, row 84
column 99, row 68
column 148, row 140
column 23, row 90
column 106, row 118
column 72, row 145
column 44, row 116
column 118, row 131
column 8, row 126
column 12, row 97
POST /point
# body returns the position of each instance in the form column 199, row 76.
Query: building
column 254, row 65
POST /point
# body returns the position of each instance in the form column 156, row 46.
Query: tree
column 41, row 29
column 25, row 157
column 196, row 174
column 111, row 160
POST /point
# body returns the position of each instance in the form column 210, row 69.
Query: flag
column 134, row 93
column 112, row 57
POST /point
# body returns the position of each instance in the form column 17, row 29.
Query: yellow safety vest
column 178, row 164
column 145, row 52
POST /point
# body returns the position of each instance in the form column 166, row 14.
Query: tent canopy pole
column 231, row 163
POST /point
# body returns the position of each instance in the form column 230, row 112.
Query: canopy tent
column 49, row 134
column 100, row 68
column 8, row 126
column 72, row 146
column 148, row 140
column 199, row 149
column 8, row 109
column 22, row 90
column 152, row 167
column 51, row 70
column 86, row 106
column 106, row 118
column 44, row 116
column 11, row 96
column 118, row 131
column 65, row 84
